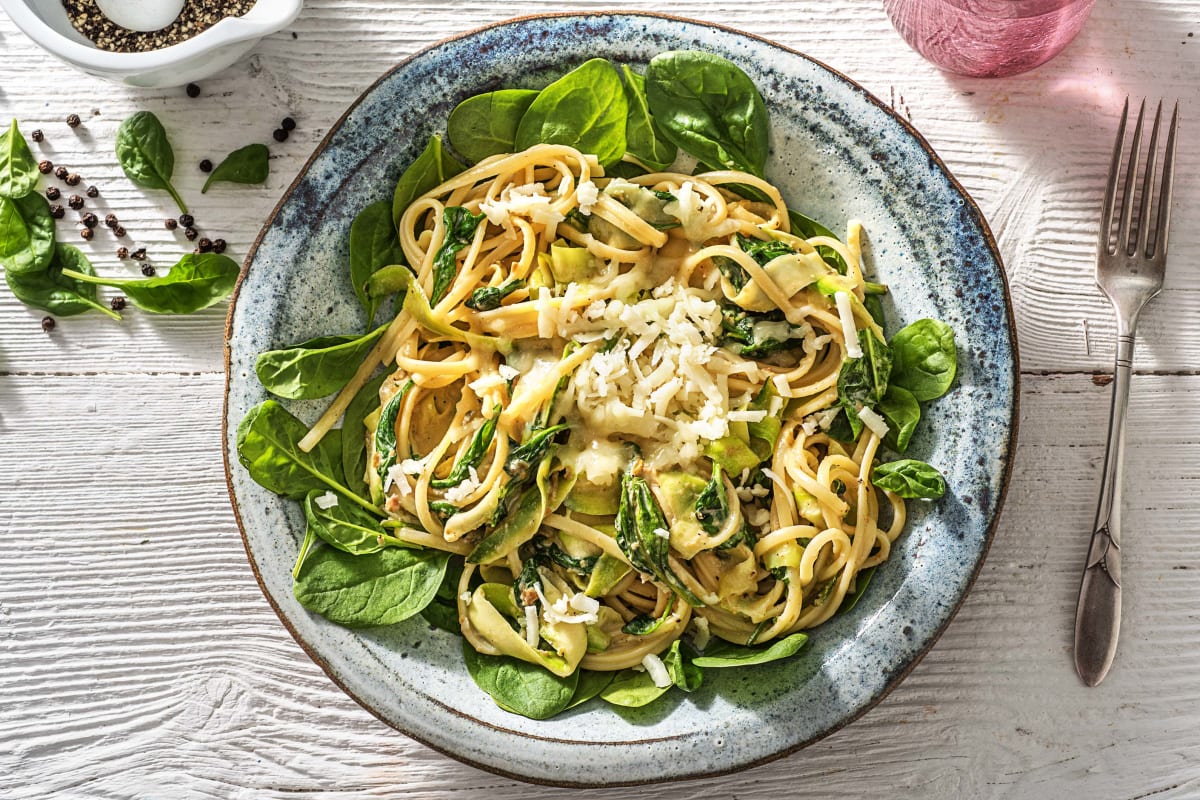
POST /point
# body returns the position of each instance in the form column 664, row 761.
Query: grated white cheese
column 560, row 609
column 457, row 494
column 657, row 669
column 582, row 603
column 876, row 423
column 412, row 466
column 465, row 597
column 396, row 476
column 700, row 632
column 529, row 200
column 586, row 194
column 662, row 533
column 532, row 634
column 846, row 313
column 508, row 373
column 756, row 415
column 326, row 501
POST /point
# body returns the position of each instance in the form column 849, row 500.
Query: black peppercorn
column 73, row 120
column 75, row 202
column 288, row 124
column 122, row 253
column 139, row 254
column 170, row 223
column 87, row 234
column 204, row 245
column 89, row 219
column 218, row 245
column 190, row 234
column 37, row 135
column 148, row 270
column 52, row 193
column 206, row 165
column 280, row 135
column 48, row 324
column 45, row 167
column 117, row 303
column 61, row 173
column 73, row 179
column 119, row 231
column 57, row 211
column 92, row 191
column 192, row 90
column 187, row 220
column 110, row 220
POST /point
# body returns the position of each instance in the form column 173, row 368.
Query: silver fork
column 1129, row 270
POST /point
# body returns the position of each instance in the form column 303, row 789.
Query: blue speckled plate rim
column 1006, row 457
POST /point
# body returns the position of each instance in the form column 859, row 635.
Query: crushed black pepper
column 45, row 167
column 52, row 193
column 197, row 16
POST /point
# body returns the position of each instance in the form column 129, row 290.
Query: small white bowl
column 46, row 22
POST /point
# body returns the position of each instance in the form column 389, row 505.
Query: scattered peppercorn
column 57, row 211
column 110, row 220
column 73, row 179
column 73, row 120
column 148, row 270
column 92, row 191
column 87, row 234
column 190, row 234
column 52, row 193
column 45, row 167
column 119, row 231
column 206, row 165
column 288, row 124
column 139, row 254
column 61, row 173
column 218, row 245
column 122, row 253
column 75, row 202
column 48, row 324
column 37, row 135
column 192, row 90
column 204, row 245
column 170, row 223
column 117, row 303
column 187, row 220
column 280, row 135
column 89, row 219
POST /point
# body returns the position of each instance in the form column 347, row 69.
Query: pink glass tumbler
column 988, row 38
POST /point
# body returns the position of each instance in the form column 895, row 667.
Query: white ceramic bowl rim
column 256, row 24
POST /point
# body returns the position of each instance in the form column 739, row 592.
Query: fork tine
column 1143, row 226
column 1130, row 183
column 1164, row 198
column 1110, row 190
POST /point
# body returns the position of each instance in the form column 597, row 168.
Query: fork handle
column 1098, row 613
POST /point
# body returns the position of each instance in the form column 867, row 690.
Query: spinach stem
column 175, row 196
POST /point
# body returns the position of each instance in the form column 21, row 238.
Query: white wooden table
column 138, row 658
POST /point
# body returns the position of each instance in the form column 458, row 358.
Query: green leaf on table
column 486, row 124
column 249, row 164
column 518, row 686
column 52, row 291
column 18, row 169
column 315, row 368
column 145, row 154
column 585, row 109
column 373, row 245
column 380, row 588
column 26, row 234
column 197, row 281
column 721, row 654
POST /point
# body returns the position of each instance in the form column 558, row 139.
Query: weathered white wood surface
column 139, row 659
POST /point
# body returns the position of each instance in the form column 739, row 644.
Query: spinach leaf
column 385, row 432
column 249, row 164
column 26, row 234
column 591, row 683
column 460, row 226
column 522, row 459
column 145, row 154
column 585, row 109
column 354, row 434
column 643, row 138
column 807, row 228
column 518, row 686
column 645, row 624
column 763, row 251
column 442, row 612
column 861, row 581
column 902, row 412
column 682, row 667
column 546, row 551
column 925, row 358
column 486, row 124
column 198, row 281
column 643, row 535
column 18, row 169
column 754, row 335
column 722, row 654
column 472, row 457
column 268, row 447
column 374, row 244
column 347, row 527
column 709, row 108
column 712, row 506
column 909, row 478
column 315, row 368
column 632, row 689
column 488, row 298
column 434, row 166
column 380, row 588
column 51, row 291
column 864, row 381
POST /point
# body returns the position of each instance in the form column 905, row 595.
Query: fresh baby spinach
column 632, row 689
column 643, row 138
column 909, row 478
column 315, row 368
column 460, row 226
column 249, row 164
column 346, row 526
column 380, row 588
column 198, row 281
column 51, row 291
column 585, row 109
column 720, row 653
column 145, row 154
column 925, row 359
column 486, row 124
column 18, row 169
column 373, row 245
column 518, row 686
column 26, row 234
column 681, row 666
column 354, row 433
column 902, row 413
column 434, row 166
